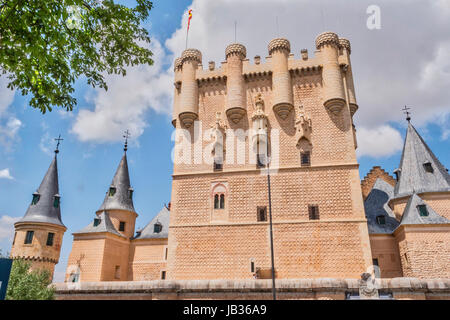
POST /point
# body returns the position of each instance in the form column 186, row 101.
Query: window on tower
column 157, row 227
column 130, row 193
column 313, row 212
column 428, row 167
column 305, row 158
column 112, row 191
column 222, row 201
column 29, row 237
column 36, row 197
column 50, row 238
column 381, row 220
column 122, row 226
column 261, row 214
column 97, row 222
column 56, row 201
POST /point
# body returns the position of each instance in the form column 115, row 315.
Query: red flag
column 190, row 17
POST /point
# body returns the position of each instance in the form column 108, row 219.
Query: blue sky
column 390, row 70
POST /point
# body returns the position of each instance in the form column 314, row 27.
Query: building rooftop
column 411, row 214
column 148, row 232
column 102, row 223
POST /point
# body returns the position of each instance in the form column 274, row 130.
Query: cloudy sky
column 404, row 62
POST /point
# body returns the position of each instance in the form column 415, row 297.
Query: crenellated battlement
column 331, row 61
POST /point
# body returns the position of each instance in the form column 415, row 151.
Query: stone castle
column 326, row 223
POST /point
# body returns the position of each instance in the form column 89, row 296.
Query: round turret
column 345, row 43
column 333, row 84
column 188, row 104
column 279, row 49
column 176, row 97
column 236, row 94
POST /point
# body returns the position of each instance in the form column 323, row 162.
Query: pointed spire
column 420, row 170
column 45, row 206
column 120, row 194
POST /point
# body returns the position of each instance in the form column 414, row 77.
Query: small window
column 428, row 167
column 381, row 220
column 157, row 227
column 56, row 201
column 165, row 253
column 252, row 266
column 375, row 262
column 117, row 272
column 313, row 212
column 130, row 193
column 222, row 201
column 36, row 197
column 423, row 211
column 29, row 237
column 218, row 164
column 262, row 214
column 50, row 238
column 122, row 226
column 112, row 191
column 163, row 275
column 97, row 222
column 305, row 158
column 261, row 160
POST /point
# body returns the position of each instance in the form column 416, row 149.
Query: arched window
column 222, row 201
column 216, row 201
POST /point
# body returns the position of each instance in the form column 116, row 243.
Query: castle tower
column 236, row 96
column 188, row 104
column 177, row 90
column 100, row 251
column 40, row 232
column 219, row 225
column 279, row 50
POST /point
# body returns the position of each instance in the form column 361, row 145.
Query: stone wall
column 311, row 289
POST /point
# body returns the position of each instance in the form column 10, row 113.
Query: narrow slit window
column 222, row 201
column 122, row 226
column 216, row 201
column 50, row 238
column 313, row 212
column 56, row 201
column 262, row 214
column 163, row 275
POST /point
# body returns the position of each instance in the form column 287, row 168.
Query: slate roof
column 376, row 205
column 121, row 181
column 411, row 213
column 44, row 211
column 148, row 231
column 413, row 177
column 105, row 225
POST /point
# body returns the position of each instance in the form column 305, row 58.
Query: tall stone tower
column 100, row 250
column 40, row 232
column 295, row 112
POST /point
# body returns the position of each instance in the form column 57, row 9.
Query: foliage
column 45, row 46
column 28, row 285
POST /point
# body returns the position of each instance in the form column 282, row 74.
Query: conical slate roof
column 46, row 210
column 148, row 232
column 411, row 213
column 122, row 198
column 413, row 176
column 104, row 225
column 375, row 205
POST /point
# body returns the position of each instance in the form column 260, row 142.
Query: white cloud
column 126, row 102
column 7, row 227
column 403, row 63
column 6, row 95
column 378, row 142
column 9, row 132
column 4, row 174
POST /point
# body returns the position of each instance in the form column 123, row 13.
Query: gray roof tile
column 148, row 231
column 121, row 181
column 105, row 225
column 44, row 210
column 413, row 176
column 376, row 205
column 411, row 213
